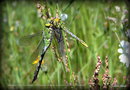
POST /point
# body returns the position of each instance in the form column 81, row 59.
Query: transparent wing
column 44, row 68
column 48, row 40
column 37, row 50
column 74, row 36
column 29, row 39
column 59, row 44
column 33, row 41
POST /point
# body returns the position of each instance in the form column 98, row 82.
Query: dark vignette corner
column 1, row 35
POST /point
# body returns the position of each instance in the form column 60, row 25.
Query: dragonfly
column 52, row 34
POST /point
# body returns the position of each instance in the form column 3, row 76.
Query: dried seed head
column 94, row 81
column 38, row 5
column 106, row 78
column 114, row 82
column 49, row 12
column 57, row 15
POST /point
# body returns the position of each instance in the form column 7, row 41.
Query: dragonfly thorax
column 53, row 22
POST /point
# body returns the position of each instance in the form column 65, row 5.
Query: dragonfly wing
column 26, row 40
column 32, row 40
column 63, row 54
column 74, row 36
column 39, row 47
column 47, row 43
column 61, row 48
column 44, row 69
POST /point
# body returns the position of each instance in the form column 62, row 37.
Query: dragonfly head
column 52, row 22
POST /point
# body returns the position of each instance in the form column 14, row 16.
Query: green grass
column 86, row 20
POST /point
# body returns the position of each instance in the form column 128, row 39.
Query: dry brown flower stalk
column 56, row 55
column 94, row 81
column 114, row 82
column 106, row 78
column 67, row 43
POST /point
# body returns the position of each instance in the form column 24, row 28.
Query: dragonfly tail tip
column 33, row 80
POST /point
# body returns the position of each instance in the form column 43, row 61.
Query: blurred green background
column 88, row 20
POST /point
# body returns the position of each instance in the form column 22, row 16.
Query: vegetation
column 100, row 25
